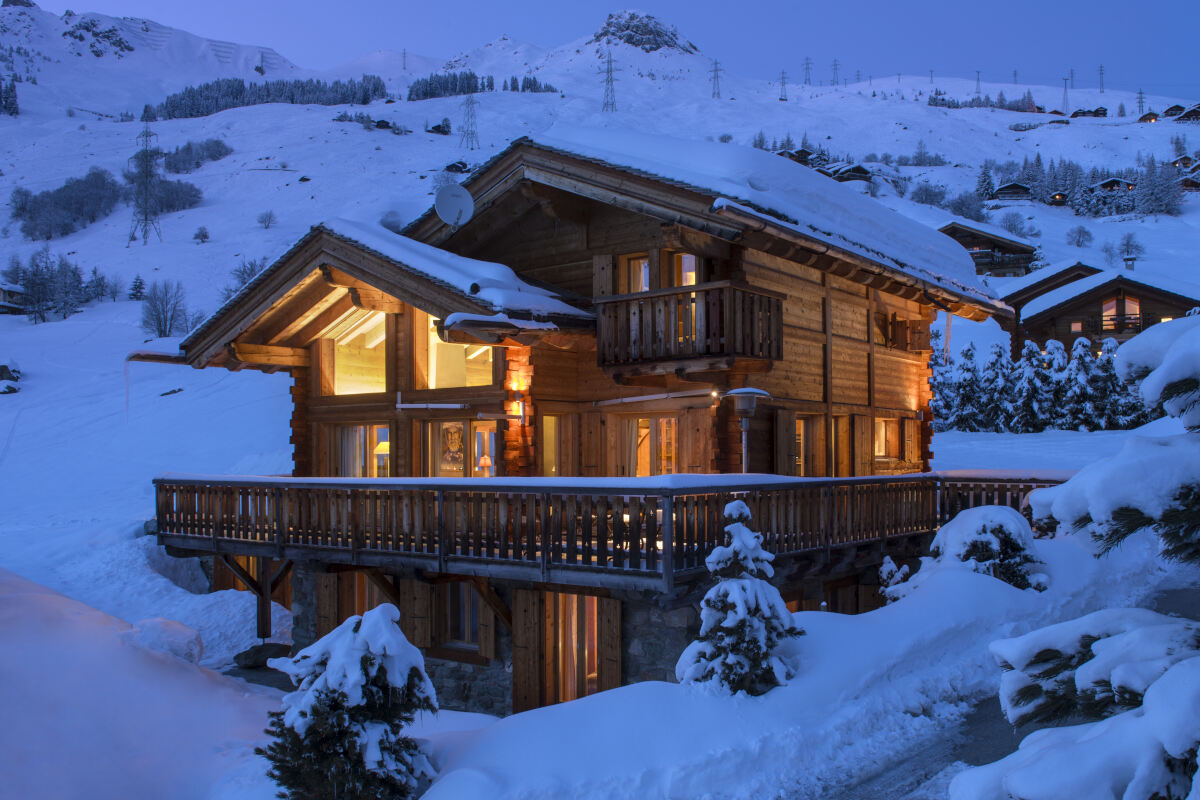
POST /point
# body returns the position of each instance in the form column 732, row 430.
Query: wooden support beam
column 264, row 597
column 301, row 321
column 269, row 326
column 284, row 570
column 489, row 596
column 236, row 568
column 271, row 355
column 317, row 324
column 384, row 584
column 375, row 300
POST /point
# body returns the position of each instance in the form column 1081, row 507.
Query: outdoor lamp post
column 744, row 403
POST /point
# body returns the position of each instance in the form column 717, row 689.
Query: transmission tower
column 977, row 74
column 835, row 72
column 1014, row 77
column 783, row 86
column 1101, row 79
column 404, row 59
column 1072, row 74
column 144, row 166
column 469, row 138
column 808, row 65
column 858, row 76
column 716, row 79
column 931, row 77
column 610, row 80
column 1066, row 108
column 1141, row 102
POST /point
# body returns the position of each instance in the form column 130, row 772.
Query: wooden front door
column 565, row 646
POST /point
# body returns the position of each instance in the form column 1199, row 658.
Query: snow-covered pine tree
column 941, row 384
column 968, row 394
column 1032, row 392
column 341, row 733
column 743, row 619
column 137, row 289
column 997, row 404
column 1108, row 390
column 985, row 187
column 1078, row 410
column 1057, row 362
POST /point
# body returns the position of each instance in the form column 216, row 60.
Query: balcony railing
column 708, row 320
column 991, row 259
column 1117, row 324
column 642, row 532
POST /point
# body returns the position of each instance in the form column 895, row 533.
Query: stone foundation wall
column 304, row 605
column 653, row 638
column 469, row 687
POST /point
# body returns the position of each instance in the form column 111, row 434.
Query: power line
column 1141, row 102
column 1072, row 74
column 931, row 77
column 977, row 74
column 610, row 92
column 1101, row 79
column 1014, row 77
column 144, row 165
column 1066, row 108
column 783, row 86
column 808, row 65
column 716, row 79
column 835, row 71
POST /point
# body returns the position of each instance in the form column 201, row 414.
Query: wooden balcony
column 993, row 261
column 1105, row 325
column 646, row 533
column 718, row 322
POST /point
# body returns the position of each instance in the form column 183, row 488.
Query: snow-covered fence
column 642, row 532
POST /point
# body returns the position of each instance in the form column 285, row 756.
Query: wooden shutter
column 814, row 445
column 911, row 439
column 327, row 602
column 603, row 274
column 591, row 438
column 608, row 640
column 863, row 449
column 527, row 657
column 416, row 611
column 785, row 442
column 918, row 337
column 695, row 440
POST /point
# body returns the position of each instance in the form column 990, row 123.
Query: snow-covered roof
column 990, row 231
column 1013, row 185
column 1007, row 287
column 779, row 191
column 12, row 287
column 484, row 282
column 1064, row 294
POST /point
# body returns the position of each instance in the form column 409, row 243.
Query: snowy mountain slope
column 108, row 64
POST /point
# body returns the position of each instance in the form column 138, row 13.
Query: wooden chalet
column 995, row 251
column 1059, row 198
column 1112, row 185
column 1190, row 183
column 1099, row 111
column 1149, row 116
column 1183, row 162
column 1190, row 115
column 1114, row 303
column 522, row 430
column 1012, row 191
column 1173, row 111
column 1019, row 291
column 12, row 298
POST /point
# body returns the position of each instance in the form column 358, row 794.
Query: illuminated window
column 361, row 451
column 650, row 446
column 686, row 269
column 440, row 365
column 1077, row 327
column 1166, row 319
column 1133, row 307
column 1109, row 320
column 550, row 446
column 634, row 275
column 451, row 453
column 887, row 438
column 359, row 356
column 798, row 453
column 573, row 646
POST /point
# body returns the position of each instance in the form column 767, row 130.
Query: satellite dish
column 454, row 205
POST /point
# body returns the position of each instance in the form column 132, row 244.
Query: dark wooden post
column 263, row 577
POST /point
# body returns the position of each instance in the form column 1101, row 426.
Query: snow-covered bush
column 1094, row 666
column 742, row 619
column 340, row 734
column 991, row 540
column 1148, row 753
column 10, row 374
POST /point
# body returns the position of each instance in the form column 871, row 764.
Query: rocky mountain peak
column 642, row 31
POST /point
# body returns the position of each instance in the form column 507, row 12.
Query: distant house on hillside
column 1113, row 185
column 1184, row 162
column 12, row 299
column 995, row 251
column 1058, row 198
column 1173, row 111
column 801, row 155
column 1116, row 303
column 1099, row 111
column 1190, row 183
column 1012, row 191
column 1190, row 115
column 850, row 172
column 1149, row 116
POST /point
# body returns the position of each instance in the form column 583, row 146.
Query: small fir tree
column 340, row 734
column 1078, row 411
column 968, row 395
column 941, row 382
column 743, row 619
column 137, row 289
column 201, row 235
column 997, row 406
column 1033, row 392
column 985, row 187
column 1057, row 362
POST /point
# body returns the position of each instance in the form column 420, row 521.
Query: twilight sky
column 1139, row 44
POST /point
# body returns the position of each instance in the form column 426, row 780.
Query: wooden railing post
column 441, row 529
column 668, row 542
column 545, row 537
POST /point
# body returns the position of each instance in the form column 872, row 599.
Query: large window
column 550, row 432
column 461, row 449
column 441, row 365
column 634, row 274
column 361, row 451
column 358, row 354
column 460, row 616
column 649, row 446
column 573, row 646
column 887, row 438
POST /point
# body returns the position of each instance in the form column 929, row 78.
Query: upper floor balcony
column 717, row 322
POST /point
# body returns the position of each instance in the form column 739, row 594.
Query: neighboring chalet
column 1190, row 115
column 1190, row 183
column 513, row 429
column 12, row 298
column 1173, row 111
column 1012, row 191
column 1099, row 111
column 1112, row 185
column 1183, row 162
column 1149, row 116
column 1067, row 301
column 1059, row 198
column 995, row 251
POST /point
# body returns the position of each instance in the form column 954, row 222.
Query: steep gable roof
column 988, row 232
column 1042, row 306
